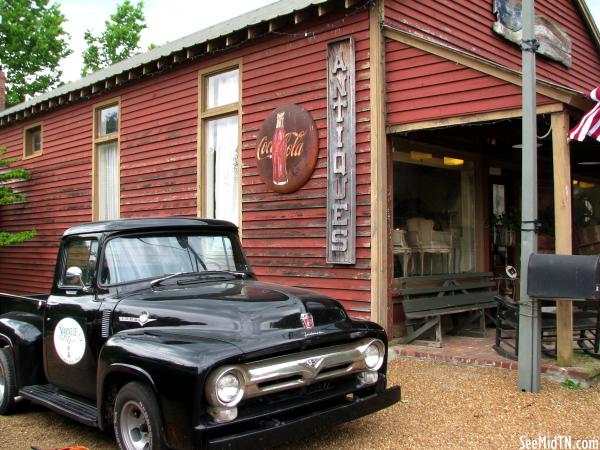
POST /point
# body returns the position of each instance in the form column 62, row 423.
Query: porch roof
column 228, row 34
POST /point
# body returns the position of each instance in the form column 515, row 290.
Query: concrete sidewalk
column 479, row 352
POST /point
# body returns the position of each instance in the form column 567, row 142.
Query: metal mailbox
column 567, row 277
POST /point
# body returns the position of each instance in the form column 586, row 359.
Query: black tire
column 137, row 418
column 8, row 383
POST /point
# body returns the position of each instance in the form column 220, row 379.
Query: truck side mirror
column 75, row 274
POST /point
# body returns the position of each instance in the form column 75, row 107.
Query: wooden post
column 563, row 230
column 379, row 179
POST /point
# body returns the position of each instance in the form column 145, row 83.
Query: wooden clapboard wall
column 466, row 25
column 425, row 87
column 284, row 234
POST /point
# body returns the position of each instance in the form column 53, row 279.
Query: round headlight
column 229, row 389
column 373, row 356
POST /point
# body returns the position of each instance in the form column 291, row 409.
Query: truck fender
column 173, row 364
column 22, row 332
column 114, row 372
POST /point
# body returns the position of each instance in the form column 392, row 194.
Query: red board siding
column 421, row 87
column 58, row 195
column 159, row 146
column 285, row 234
column 467, row 26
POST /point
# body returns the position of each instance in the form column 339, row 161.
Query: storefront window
column 434, row 207
column 586, row 205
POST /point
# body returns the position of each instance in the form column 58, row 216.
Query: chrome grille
column 301, row 369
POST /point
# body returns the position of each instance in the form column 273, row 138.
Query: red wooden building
column 434, row 92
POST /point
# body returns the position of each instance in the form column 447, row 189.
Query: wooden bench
column 426, row 299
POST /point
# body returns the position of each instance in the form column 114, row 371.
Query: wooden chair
column 402, row 249
column 586, row 329
column 423, row 239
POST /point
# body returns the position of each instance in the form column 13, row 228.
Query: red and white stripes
column 589, row 125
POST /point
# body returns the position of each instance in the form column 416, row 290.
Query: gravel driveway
column 443, row 407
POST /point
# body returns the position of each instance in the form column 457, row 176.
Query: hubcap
column 134, row 427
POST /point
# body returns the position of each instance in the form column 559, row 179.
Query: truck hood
column 249, row 314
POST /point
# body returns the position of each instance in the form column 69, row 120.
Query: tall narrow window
column 32, row 141
column 106, row 159
column 219, row 150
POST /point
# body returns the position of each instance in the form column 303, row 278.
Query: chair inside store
column 401, row 249
column 423, row 240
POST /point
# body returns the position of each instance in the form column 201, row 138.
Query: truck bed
column 30, row 303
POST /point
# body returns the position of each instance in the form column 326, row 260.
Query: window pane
column 108, row 120
column 37, row 140
column 108, row 181
column 223, row 89
column 33, row 140
column 222, row 177
column 81, row 253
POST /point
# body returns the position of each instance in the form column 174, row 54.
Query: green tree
column 118, row 41
column 32, row 43
column 8, row 195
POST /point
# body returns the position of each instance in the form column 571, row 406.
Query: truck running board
column 70, row 405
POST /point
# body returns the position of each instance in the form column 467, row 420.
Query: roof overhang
column 226, row 35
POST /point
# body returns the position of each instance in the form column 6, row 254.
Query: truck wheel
column 137, row 419
column 8, row 386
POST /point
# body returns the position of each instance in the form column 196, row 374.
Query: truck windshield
column 139, row 257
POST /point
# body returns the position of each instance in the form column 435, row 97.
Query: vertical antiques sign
column 341, row 153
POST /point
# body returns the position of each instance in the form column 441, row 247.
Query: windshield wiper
column 207, row 275
column 212, row 275
column 159, row 281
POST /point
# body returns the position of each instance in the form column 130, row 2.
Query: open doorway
column 456, row 224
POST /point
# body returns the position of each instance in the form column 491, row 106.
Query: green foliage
column 7, row 196
column 118, row 41
column 32, row 43
column 570, row 384
column 17, row 237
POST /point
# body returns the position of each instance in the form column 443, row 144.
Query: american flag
column 589, row 125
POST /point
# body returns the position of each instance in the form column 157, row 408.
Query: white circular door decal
column 69, row 341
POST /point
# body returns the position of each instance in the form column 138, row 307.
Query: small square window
column 223, row 88
column 33, row 141
column 108, row 120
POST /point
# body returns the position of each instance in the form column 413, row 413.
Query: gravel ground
column 443, row 407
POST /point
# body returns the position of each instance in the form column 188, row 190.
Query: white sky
column 167, row 20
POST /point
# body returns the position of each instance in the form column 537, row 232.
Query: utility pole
column 529, row 309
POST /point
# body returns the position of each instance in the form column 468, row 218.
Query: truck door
column 71, row 323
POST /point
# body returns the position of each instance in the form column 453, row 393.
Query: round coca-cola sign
column 287, row 147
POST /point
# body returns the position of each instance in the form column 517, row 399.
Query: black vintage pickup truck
column 158, row 329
